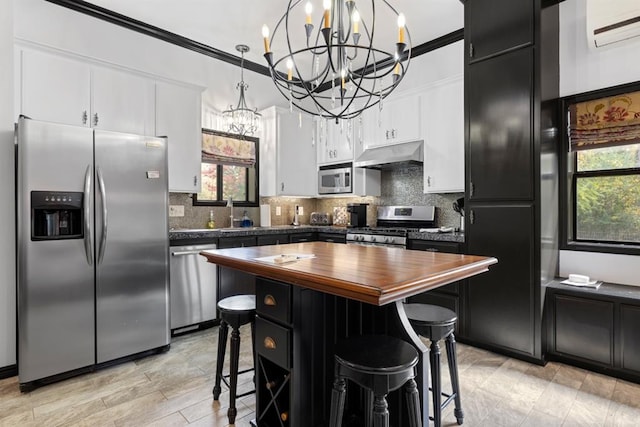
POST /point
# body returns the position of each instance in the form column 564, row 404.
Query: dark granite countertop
column 181, row 234
column 438, row 237
column 203, row 233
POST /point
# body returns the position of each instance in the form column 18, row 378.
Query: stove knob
column 373, row 239
column 388, row 240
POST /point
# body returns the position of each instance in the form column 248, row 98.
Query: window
column 229, row 170
column 605, row 170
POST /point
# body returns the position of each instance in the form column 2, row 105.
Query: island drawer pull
column 269, row 343
column 269, row 300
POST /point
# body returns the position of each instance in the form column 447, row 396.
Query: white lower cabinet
column 287, row 154
column 178, row 117
column 443, row 107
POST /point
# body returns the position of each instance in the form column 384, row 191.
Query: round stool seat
column 430, row 315
column 376, row 354
column 238, row 303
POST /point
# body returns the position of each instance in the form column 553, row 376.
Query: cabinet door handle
column 428, row 181
column 471, row 188
column 269, row 300
column 432, row 250
column 269, row 343
column 95, row 119
column 471, row 50
column 386, row 134
column 472, row 217
column 282, row 186
column 84, row 117
column 393, row 133
column 195, row 180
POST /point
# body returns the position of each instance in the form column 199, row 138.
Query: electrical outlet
column 278, row 211
column 300, row 210
column 176, row 210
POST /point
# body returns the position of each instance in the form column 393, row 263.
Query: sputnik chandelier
column 241, row 120
column 344, row 67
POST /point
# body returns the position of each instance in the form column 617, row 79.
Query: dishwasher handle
column 182, row 253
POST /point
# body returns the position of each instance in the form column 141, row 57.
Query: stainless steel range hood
column 391, row 156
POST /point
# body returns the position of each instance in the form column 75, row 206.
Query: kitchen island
column 331, row 291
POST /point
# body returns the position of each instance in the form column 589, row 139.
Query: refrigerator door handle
column 88, row 238
column 103, row 197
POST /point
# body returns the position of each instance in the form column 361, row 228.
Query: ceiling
column 224, row 24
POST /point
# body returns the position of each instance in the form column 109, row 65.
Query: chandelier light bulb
column 308, row 8
column 401, row 24
column 289, row 69
column 356, row 21
column 327, row 13
column 265, row 36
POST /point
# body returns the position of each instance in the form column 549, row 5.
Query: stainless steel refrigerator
column 92, row 233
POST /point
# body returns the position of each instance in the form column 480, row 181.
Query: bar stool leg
column 222, row 345
column 436, row 387
column 450, row 343
column 368, row 408
column 253, row 349
column 233, row 384
column 380, row 411
column 337, row 402
column 413, row 403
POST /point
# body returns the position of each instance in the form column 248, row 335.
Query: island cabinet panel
column 630, row 337
column 584, row 328
column 493, row 26
column 501, row 305
column 500, row 135
column 332, row 237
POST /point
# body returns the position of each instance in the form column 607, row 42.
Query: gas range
column 393, row 225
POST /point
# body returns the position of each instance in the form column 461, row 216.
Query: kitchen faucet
column 230, row 205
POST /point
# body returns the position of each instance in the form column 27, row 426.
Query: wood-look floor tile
column 16, row 417
column 626, row 393
column 556, row 399
column 172, row 420
column 68, row 415
column 134, row 407
column 588, row 410
column 541, row 419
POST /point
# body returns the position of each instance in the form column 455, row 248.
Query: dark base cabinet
column 446, row 296
column 595, row 329
column 231, row 281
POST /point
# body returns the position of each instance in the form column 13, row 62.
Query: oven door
column 335, row 180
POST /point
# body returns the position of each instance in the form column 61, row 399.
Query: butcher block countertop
column 370, row 274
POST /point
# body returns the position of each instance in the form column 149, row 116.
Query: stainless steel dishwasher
column 193, row 286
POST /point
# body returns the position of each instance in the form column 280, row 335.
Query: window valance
column 605, row 122
column 221, row 148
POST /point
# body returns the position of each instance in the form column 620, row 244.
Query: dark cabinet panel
column 502, row 303
column 630, row 337
column 302, row 237
column 492, row 26
column 584, row 328
column 332, row 237
column 231, row 281
column 435, row 246
column 272, row 239
column 499, row 146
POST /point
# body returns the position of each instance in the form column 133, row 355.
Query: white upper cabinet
column 54, row 89
column 443, row 107
column 397, row 120
column 122, row 101
column 63, row 90
column 178, row 117
column 335, row 141
column 287, row 154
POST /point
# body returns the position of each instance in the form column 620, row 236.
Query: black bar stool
column 235, row 311
column 435, row 323
column 380, row 364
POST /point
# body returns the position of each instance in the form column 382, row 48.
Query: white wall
column 7, row 195
column 584, row 69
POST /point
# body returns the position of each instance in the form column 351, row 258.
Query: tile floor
column 174, row 389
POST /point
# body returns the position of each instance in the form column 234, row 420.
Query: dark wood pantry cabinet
column 511, row 127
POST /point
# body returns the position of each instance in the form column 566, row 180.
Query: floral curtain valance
column 605, row 122
column 225, row 149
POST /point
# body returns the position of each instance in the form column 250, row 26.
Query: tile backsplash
column 400, row 186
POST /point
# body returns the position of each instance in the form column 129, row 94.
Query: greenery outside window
column 229, row 170
column 604, row 171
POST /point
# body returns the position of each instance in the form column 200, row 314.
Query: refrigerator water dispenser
column 56, row 215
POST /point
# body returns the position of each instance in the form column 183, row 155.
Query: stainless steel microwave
column 335, row 180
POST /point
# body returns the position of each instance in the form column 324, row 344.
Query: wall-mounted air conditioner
column 612, row 21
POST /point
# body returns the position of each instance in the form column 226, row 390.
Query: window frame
column 568, row 170
column 238, row 203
